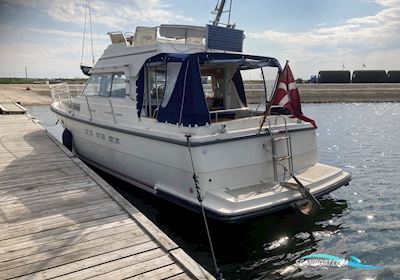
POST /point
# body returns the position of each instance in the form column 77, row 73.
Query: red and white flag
column 287, row 95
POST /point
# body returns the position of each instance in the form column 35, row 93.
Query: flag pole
column 268, row 112
column 268, row 106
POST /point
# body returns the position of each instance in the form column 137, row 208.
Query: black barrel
column 369, row 76
column 393, row 76
column 334, row 77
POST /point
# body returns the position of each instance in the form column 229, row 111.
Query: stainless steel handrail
column 216, row 112
column 90, row 111
column 288, row 143
column 112, row 110
column 70, row 100
column 70, row 103
column 59, row 100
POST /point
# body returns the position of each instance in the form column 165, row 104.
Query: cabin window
column 159, row 86
column 213, row 80
column 220, row 88
column 154, row 89
column 173, row 69
column 93, row 86
column 259, row 85
column 106, row 85
column 224, row 92
column 118, row 86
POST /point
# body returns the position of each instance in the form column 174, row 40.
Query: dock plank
column 102, row 265
column 25, row 215
column 72, row 236
column 136, row 269
column 45, row 181
column 38, row 190
column 11, row 108
column 54, row 234
column 49, row 196
column 97, row 238
column 160, row 273
column 90, row 216
column 43, row 204
column 98, row 265
column 59, row 219
column 41, row 261
column 182, row 276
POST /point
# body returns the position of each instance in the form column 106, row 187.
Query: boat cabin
column 177, row 78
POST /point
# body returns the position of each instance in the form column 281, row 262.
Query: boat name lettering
column 102, row 136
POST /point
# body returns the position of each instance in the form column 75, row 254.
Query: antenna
column 229, row 15
column 219, row 12
column 219, row 9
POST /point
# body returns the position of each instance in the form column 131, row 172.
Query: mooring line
column 218, row 274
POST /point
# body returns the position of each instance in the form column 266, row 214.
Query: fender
column 67, row 139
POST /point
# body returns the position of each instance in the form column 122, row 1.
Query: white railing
column 60, row 94
column 236, row 110
column 64, row 94
column 148, row 36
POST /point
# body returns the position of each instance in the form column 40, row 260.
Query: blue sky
column 46, row 35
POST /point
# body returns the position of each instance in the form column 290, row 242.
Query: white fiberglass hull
column 236, row 175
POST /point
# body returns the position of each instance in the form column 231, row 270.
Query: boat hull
column 243, row 216
column 233, row 217
column 236, row 177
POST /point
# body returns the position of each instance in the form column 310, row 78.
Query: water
column 48, row 119
column 362, row 219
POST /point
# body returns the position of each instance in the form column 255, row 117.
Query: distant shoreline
column 39, row 94
column 338, row 93
column 24, row 81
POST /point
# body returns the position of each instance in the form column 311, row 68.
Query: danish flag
column 287, row 95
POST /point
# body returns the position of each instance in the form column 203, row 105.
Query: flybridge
column 212, row 37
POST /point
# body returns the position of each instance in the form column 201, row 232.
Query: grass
column 14, row 80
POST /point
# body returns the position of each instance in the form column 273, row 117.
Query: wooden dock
column 11, row 108
column 59, row 219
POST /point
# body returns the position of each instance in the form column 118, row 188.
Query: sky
column 46, row 35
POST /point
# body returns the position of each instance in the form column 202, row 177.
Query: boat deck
column 59, row 219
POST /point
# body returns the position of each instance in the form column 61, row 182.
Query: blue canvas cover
column 187, row 105
column 140, row 91
column 238, row 82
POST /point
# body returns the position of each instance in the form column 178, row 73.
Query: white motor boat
column 169, row 105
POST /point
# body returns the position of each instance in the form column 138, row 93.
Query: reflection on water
column 361, row 219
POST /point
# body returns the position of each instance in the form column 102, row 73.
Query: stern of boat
column 243, row 202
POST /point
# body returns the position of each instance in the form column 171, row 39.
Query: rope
column 268, row 106
column 84, row 33
column 91, row 33
column 218, row 274
column 87, row 9
column 48, row 123
column 266, row 101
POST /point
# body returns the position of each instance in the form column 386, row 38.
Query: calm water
column 362, row 219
